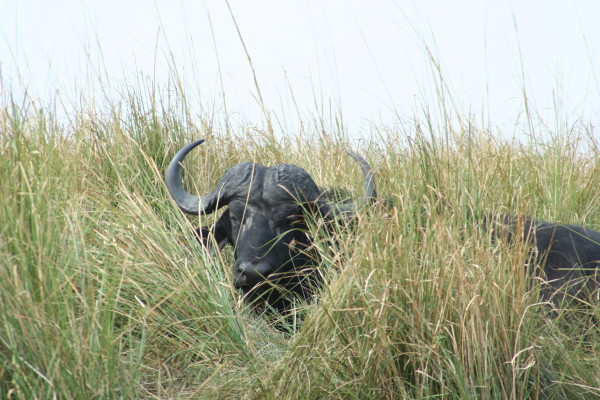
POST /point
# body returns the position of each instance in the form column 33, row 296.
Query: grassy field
column 105, row 294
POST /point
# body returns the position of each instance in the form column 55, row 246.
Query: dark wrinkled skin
column 265, row 223
column 270, row 250
column 566, row 257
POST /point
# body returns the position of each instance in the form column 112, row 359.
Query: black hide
column 566, row 257
column 265, row 223
column 273, row 261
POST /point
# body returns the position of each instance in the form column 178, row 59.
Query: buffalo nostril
column 242, row 267
column 252, row 274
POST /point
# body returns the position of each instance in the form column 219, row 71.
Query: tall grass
column 105, row 293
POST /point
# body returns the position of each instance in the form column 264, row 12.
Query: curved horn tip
column 196, row 143
column 358, row 158
column 369, row 187
column 352, row 154
column 187, row 202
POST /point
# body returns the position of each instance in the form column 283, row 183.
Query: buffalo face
column 269, row 241
column 265, row 223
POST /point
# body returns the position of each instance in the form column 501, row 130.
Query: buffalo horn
column 234, row 181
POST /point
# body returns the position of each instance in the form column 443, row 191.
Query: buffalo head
column 265, row 222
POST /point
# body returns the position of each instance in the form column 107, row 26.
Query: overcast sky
column 369, row 59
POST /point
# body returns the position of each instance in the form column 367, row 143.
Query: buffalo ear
column 219, row 233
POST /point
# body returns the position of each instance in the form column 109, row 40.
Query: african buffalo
column 265, row 222
column 566, row 257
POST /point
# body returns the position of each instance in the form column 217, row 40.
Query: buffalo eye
column 234, row 219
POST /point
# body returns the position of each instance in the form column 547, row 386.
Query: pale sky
column 368, row 59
